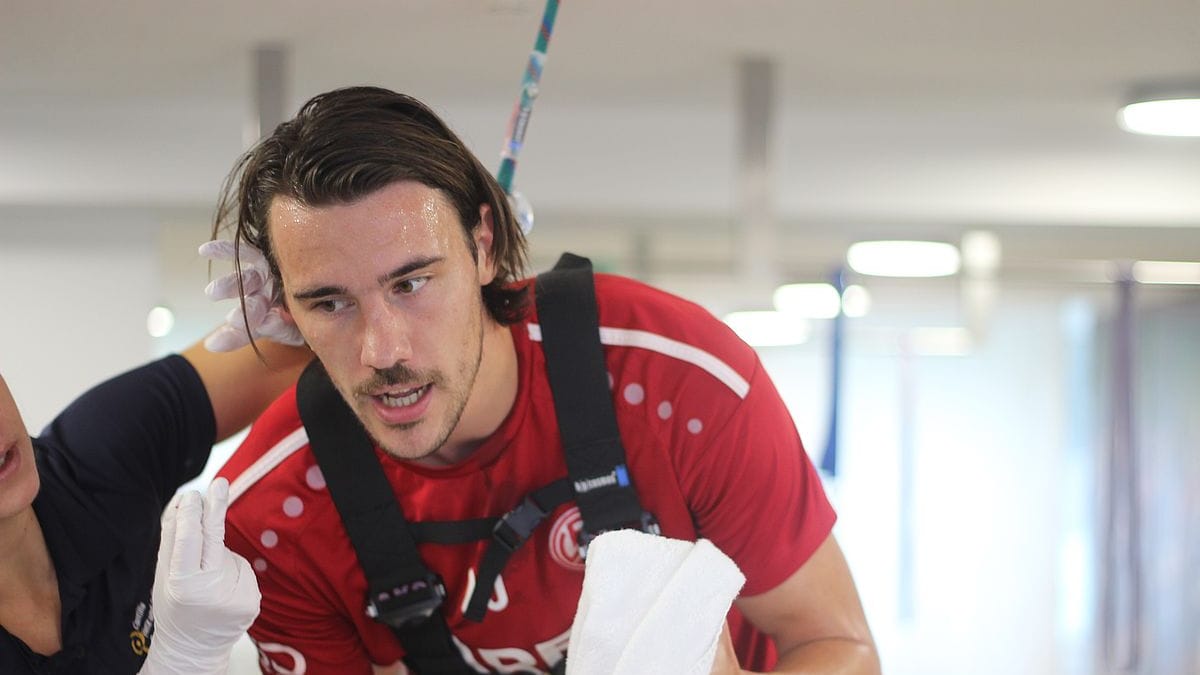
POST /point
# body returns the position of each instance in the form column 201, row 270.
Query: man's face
column 18, row 473
column 388, row 295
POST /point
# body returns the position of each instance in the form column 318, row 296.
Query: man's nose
column 385, row 336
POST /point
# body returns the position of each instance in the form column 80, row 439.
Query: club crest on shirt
column 564, row 539
column 281, row 659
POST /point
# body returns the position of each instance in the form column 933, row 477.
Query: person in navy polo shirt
column 80, row 503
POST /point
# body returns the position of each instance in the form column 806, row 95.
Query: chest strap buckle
column 409, row 603
column 647, row 523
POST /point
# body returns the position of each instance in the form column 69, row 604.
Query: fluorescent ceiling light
column 821, row 301
column 903, row 258
column 769, row 329
column 813, row 301
column 1166, row 272
column 1165, row 117
column 1163, row 109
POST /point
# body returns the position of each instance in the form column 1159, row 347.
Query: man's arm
column 799, row 590
column 240, row 384
column 815, row 618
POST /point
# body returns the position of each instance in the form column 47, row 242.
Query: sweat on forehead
column 370, row 238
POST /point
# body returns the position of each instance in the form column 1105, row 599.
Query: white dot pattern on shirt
column 314, row 478
column 664, row 410
column 269, row 538
column 293, row 506
column 635, row 394
column 260, row 565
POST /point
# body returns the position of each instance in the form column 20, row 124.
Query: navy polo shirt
column 108, row 465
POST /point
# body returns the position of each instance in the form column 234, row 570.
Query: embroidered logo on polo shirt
column 143, row 627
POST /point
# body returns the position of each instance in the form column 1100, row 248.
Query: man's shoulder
column 275, row 451
column 626, row 302
column 636, row 315
column 280, row 420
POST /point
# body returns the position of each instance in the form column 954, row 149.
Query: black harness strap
column 511, row 530
column 402, row 591
column 587, row 421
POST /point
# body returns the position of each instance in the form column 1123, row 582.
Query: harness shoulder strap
column 597, row 477
column 587, row 421
column 402, row 592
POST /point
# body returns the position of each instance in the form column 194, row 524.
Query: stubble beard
column 456, row 400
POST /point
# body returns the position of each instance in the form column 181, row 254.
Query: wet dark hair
column 348, row 143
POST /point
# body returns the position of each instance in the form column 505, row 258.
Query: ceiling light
column 1166, row 272
column 813, row 301
column 1171, row 110
column 159, row 321
column 769, row 329
column 821, row 301
column 856, row 301
column 903, row 258
column 980, row 252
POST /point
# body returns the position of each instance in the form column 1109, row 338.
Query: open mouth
column 404, row 398
column 6, row 456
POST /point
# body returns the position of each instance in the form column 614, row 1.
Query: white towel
column 651, row 606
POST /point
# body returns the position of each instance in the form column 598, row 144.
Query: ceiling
column 919, row 118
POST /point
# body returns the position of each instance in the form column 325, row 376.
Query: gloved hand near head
column 205, row 596
column 263, row 310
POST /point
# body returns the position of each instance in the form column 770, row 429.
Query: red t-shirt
column 710, row 447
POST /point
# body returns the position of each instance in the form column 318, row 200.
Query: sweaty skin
column 386, row 291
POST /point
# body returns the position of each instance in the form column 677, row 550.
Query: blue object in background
column 829, row 460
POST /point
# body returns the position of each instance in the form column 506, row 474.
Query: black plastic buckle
column 646, row 523
column 514, row 527
column 650, row 524
column 409, row 603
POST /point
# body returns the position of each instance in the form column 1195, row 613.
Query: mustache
column 398, row 374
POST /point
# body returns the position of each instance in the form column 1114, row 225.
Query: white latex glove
column 205, row 596
column 262, row 306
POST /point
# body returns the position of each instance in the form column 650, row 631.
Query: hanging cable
column 520, row 117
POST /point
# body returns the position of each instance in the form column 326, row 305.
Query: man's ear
column 483, row 238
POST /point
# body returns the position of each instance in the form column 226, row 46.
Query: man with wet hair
column 395, row 255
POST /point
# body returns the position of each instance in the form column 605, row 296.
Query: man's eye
column 411, row 285
column 328, row 306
